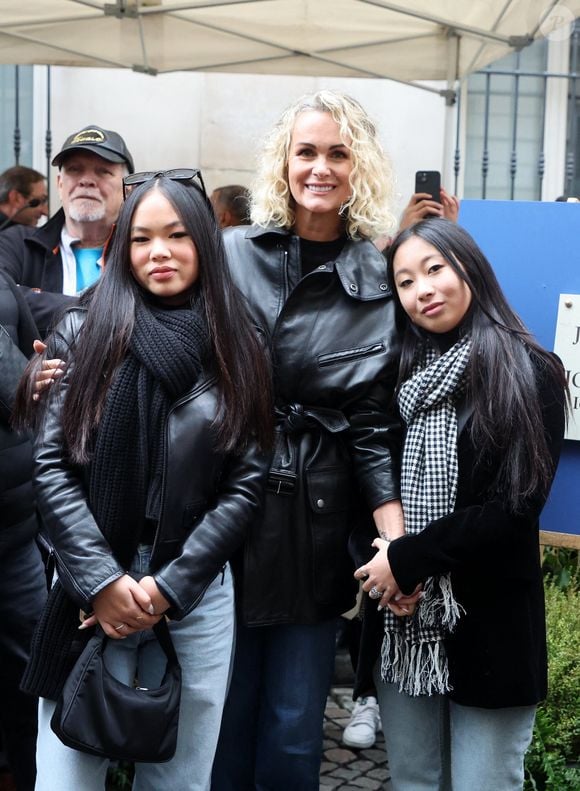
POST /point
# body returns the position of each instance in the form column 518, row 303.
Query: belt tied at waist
column 291, row 421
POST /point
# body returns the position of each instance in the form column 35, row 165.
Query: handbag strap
column 163, row 635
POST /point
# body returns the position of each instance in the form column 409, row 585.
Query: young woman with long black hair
column 148, row 460
column 484, row 406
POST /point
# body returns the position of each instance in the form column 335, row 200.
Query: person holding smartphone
column 430, row 199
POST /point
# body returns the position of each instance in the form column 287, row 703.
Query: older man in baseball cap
column 54, row 263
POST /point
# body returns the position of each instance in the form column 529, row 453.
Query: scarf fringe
column 416, row 668
column 439, row 608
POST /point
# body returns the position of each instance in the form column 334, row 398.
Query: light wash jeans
column 434, row 744
column 203, row 642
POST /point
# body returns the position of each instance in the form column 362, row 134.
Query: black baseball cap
column 106, row 144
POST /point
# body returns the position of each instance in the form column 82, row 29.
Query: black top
column 314, row 254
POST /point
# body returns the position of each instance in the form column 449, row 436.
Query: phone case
column 429, row 181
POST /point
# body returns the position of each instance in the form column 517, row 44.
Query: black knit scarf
column 165, row 358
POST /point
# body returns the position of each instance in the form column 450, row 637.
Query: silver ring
column 120, row 626
column 374, row 593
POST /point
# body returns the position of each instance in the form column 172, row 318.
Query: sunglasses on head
column 192, row 175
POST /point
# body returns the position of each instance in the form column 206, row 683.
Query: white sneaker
column 361, row 731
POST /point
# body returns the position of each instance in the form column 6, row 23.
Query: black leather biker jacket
column 335, row 357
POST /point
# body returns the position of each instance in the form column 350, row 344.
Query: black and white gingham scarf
column 413, row 654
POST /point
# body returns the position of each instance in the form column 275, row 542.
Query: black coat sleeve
column 375, row 441
column 46, row 307
column 483, row 533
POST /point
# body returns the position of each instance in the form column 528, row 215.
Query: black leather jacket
column 335, row 358
column 32, row 257
column 208, row 500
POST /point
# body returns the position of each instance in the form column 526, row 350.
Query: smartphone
column 429, row 181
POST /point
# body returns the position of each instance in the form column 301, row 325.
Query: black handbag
column 100, row 715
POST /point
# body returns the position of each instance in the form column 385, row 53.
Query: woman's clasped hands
column 126, row 606
column 381, row 585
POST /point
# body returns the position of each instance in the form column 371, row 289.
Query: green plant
column 561, row 566
column 120, row 776
column 553, row 760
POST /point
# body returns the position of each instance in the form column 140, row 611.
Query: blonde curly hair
column 367, row 212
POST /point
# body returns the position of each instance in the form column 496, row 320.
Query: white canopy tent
column 431, row 44
column 406, row 41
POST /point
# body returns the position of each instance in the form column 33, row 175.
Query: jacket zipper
column 286, row 283
column 62, row 571
column 187, row 397
column 284, row 292
column 350, row 354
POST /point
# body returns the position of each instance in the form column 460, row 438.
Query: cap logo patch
column 88, row 136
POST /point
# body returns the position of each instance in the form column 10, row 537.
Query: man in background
column 23, row 197
column 56, row 262
column 231, row 205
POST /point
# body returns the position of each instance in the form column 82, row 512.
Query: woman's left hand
column 378, row 577
column 160, row 603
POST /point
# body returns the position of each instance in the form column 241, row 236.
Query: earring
column 344, row 207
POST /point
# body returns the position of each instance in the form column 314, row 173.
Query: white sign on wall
column 567, row 347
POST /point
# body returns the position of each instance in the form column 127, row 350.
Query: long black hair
column 238, row 361
column 502, row 384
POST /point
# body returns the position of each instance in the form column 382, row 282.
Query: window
column 500, row 101
column 8, row 97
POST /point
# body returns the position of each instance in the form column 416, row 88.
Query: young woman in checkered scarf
column 459, row 678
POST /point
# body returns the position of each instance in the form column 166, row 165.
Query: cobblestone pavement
column 344, row 768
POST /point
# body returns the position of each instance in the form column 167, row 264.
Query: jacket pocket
column 348, row 355
column 328, row 490
column 330, row 500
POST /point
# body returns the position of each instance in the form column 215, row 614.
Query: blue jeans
column 434, row 744
column 271, row 736
column 203, row 642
